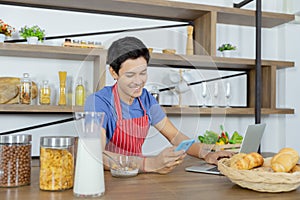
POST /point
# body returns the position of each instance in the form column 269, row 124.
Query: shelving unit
column 98, row 56
column 205, row 19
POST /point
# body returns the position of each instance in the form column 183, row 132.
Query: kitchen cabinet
column 205, row 19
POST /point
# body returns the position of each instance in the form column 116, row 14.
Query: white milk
column 89, row 174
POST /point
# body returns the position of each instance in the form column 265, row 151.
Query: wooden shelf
column 157, row 59
column 208, row 62
column 51, row 52
column 17, row 108
column 158, row 9
column 170, row 110
column 175, row 110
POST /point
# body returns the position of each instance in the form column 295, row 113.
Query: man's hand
column 214, row 157
column 164, row 162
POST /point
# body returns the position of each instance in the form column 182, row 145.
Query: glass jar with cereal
column 56, row 163
column 15, row 160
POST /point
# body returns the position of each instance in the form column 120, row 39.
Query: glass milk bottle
column 45, row 93
column 89, row 173
column 25, row 89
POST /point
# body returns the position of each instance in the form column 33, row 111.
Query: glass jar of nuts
column 56, row 163
column 15, row 160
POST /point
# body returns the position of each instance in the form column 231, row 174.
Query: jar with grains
column 56, row 163
column 15, row 160
column 25, row 89
column 45, row 93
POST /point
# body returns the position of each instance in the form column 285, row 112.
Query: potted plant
column 226, row 49
column 34, row 31
column 5, row 30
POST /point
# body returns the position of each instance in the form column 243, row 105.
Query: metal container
column 15, row 160
column 56, row 163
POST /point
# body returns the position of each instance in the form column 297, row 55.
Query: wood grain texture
column 205, row 34
column 159, row 9
column 178, row 184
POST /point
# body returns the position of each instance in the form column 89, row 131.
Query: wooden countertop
column 176, row 185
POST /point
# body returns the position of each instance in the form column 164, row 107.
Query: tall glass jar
column 15, row 160
column 62, row 88
column 56, row 163
column 25, row 89
column 45, row 93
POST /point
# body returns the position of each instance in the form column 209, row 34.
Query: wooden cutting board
column 9, row 90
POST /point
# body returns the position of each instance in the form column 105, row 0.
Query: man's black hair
column 126, row 48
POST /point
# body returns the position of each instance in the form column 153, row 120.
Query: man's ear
column 113, row 73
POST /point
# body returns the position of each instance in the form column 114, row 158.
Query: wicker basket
column 260, row 180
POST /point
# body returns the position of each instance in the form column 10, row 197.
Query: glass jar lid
column 57, row 141
column 17, row 139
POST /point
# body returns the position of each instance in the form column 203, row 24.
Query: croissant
column 249, row 161
column 235, row 158
column 284, row 160
column 296, row 168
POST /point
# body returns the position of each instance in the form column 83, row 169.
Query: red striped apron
column 129, row 134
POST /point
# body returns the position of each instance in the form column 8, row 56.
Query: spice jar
column 15, row 160
column 56, row 163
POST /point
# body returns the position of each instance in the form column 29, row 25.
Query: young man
column 130, row 110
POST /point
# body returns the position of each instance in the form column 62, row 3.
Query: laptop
column 251, row 142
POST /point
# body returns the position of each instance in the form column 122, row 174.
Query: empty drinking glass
column 227, row 94
column 204, row 93
column 216, row 91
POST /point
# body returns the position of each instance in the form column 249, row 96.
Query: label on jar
column 56, row 169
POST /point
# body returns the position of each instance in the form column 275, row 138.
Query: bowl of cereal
column 125, row 166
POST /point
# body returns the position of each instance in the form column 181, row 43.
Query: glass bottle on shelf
column 62, row 88
column 79, row 93
column 45, row 93
column 25, row 90
column 155, row 93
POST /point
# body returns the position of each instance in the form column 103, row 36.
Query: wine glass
column 227, row 94
column 216, row 91
column 204, row 93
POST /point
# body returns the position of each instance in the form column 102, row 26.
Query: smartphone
column 185, row 145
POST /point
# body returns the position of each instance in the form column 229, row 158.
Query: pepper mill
column 62, row 88
column 189, row 43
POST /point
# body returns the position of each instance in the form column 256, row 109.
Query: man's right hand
column 165, row 161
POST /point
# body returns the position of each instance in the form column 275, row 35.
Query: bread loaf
column 284, row 160
column 9, row 90
column 249, row 161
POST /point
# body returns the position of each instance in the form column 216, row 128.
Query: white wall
column 278, row 43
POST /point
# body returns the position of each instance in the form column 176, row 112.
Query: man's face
column 132, row 78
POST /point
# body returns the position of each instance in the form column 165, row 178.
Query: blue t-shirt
column 103, row 101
